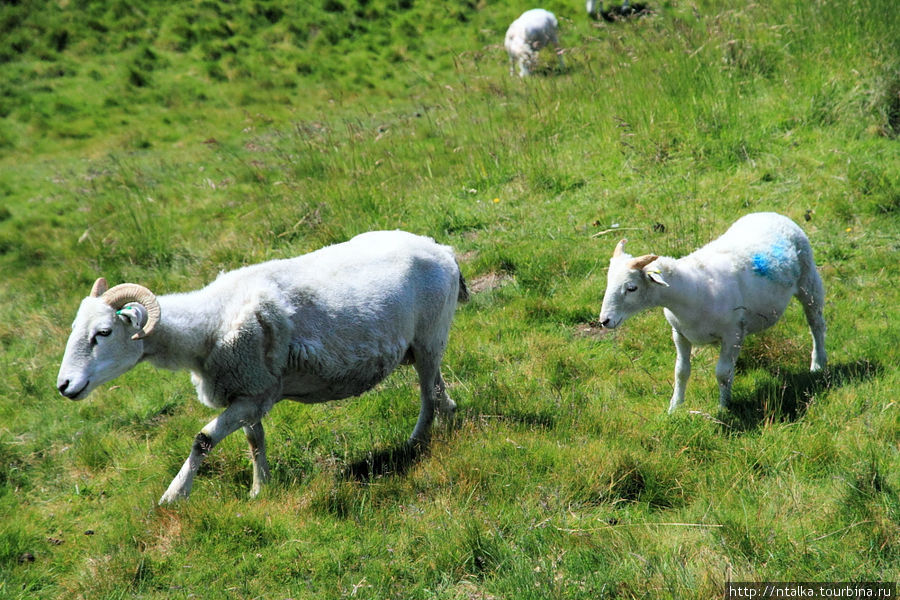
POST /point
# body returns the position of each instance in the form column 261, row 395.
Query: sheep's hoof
column 168, row 498
column 674, row 403
column 174, row 494
column 447, row 407
column 446, row 415
column 418, row 443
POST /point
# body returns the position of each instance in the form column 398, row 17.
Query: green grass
column 165, row 143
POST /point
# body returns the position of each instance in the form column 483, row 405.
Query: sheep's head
column 106, row 338
column 629, row 286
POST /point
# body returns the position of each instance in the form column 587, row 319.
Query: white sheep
column 322, row 326
column 736, row 285
column 532, row 31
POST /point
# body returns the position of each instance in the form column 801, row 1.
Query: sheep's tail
column 463, row 295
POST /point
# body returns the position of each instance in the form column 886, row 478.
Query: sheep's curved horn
column 122, row 294
column 620, row 248
column 100, row 287
column 642, row 261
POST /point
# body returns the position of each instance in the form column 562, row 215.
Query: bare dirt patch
column 592, row 329
column 488, row 281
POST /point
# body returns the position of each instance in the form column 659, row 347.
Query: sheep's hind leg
column 447, row 407
column 811, row 295
column 682, row 369
column 731, row 347
column 256, row 438
column 237, row 415
column 431, row 387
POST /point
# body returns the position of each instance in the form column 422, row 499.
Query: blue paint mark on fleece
column 774, row 263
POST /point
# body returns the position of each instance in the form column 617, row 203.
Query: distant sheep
column 736, row 285
column 532, row 31
column 614, row 13
column 323, row 326
column 595, row 8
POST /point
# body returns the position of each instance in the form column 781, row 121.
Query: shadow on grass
column 389, row 461
column 788, row 398
column 398, row 459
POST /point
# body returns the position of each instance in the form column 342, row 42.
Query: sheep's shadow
column 396, row 460
column 788, row 397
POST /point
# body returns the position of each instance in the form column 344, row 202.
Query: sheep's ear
column 134, row 314
column 655, row 275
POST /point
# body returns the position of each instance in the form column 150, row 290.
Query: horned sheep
column 527, row 35
column 321, row 326
column 737, row 285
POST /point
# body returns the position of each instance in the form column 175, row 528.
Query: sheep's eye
column 631, row 287
column 100, row 333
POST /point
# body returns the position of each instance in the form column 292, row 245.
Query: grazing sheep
column 323, row 326
column 532, row 31
column 736, row 285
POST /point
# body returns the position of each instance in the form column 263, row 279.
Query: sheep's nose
column 605, row 322
column 65, row 389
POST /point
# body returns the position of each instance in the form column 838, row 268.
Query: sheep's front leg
column 256, row 438
column 731, row 347
column 238, row 414
column 524, row 66
column 682, row 368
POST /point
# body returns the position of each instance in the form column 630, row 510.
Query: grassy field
column 164, row 143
